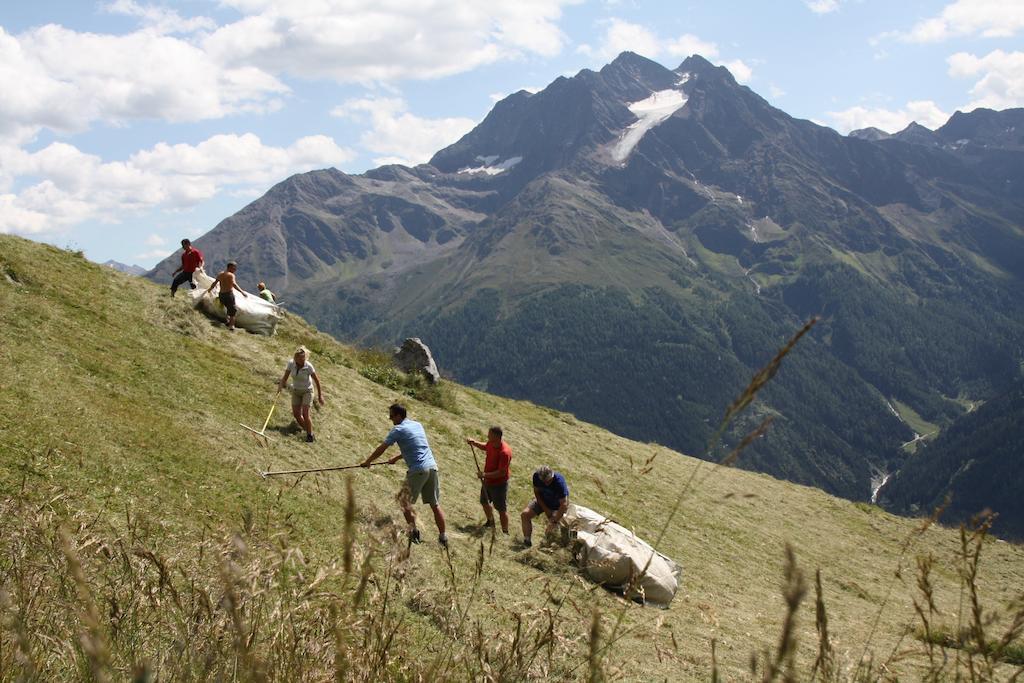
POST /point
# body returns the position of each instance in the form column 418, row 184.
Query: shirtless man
column 227, row 283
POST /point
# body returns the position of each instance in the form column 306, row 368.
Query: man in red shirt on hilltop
column 494, row 478
column 191, row 261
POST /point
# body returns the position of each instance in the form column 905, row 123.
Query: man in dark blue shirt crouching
column 550, row 498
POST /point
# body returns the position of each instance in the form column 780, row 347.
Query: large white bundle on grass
column 613, row 556
column 255, row 314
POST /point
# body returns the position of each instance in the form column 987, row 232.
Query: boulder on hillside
column 414, row 356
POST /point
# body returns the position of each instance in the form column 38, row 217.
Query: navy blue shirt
column 553, row 492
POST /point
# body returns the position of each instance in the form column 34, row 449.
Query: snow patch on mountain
column 649, row 113
column 489, row 167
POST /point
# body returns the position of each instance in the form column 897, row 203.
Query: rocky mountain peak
column 917, row 134
column 632, row 77
column 695, row 65
column 870, row 133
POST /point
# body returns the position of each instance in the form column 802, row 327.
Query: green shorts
column 302, row 398
column 426, row 482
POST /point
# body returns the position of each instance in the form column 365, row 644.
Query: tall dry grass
column 84, row 599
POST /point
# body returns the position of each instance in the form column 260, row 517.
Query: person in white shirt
column 304, row 377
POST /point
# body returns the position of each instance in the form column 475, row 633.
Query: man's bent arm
column 540, row 501
column 563, row 507
column 376, row 454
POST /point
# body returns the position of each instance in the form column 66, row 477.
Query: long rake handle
column 269, row 415
column 320, row 469
column 272, row 406
column 480, row 473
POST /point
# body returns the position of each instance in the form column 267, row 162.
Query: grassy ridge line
column 131, row 400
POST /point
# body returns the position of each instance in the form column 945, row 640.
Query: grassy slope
column 125, row 398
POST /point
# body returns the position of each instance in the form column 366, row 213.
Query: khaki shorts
column 302, row 398
column 426, row 482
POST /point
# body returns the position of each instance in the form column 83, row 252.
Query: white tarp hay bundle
column 612, row 556
column 254, row 313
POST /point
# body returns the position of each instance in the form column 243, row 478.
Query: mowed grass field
column 137, row 538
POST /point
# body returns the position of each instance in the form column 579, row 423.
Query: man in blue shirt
column 550, row 498
column 421, row 477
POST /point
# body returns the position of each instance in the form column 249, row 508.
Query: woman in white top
column 303, row 378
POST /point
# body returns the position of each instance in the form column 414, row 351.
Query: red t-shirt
column 190, row 260
column 499, row 457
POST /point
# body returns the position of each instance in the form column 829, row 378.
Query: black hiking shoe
column 309, row 438
column 527, row 543
column 443, row 540
column 489, row 524
column 414, row 536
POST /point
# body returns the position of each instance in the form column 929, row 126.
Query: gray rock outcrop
column 414, row 356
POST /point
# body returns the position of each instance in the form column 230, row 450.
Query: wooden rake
column 262, row 433
column 277, row 473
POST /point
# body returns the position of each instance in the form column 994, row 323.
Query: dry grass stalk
column 794, row 589
column 91, row 639
column 595, row 669
column 825, row 662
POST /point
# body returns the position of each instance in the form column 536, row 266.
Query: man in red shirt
column 494, row 478
column 191, row 261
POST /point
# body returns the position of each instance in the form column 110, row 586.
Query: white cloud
column 989, row 18
column 385, row 40
column 775, row 91
column 57, row 78
column 689, row 44
column 159, row 19
column 17, row 219
column 155, row 240
column 60, row 79
column 399, row 136
column 72, row 187
column 621, row 36
column 822, row 6
column 925, row 112
column 1000, row 76
column 740, row 70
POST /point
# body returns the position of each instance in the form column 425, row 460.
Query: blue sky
column 126, row 124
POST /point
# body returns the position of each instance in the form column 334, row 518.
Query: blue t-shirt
column 551, row 493
column 412, row 441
